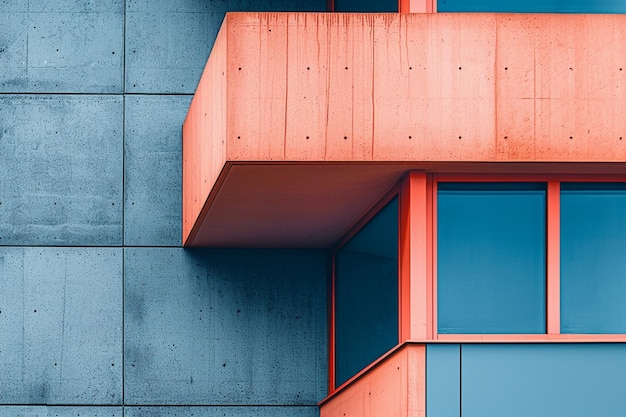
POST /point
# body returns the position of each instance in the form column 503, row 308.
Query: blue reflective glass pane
column 366, row 6
column 593, row 258
column 366, row 294
column 491, row 258
column 533, row 6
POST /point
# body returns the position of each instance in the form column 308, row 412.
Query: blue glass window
column 366, row 294
column 491, row 258
column 364, row 6
column 533, row 6
column 593, row 258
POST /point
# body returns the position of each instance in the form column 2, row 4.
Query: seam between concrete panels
column 44, row 93
column 123, row 208
column 221, row 405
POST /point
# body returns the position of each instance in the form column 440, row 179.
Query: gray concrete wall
column 102, row 313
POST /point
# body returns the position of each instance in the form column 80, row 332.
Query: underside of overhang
column 312, row 205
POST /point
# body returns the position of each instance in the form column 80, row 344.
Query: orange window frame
column 553, row 258
column 417, row 263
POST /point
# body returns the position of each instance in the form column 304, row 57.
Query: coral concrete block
column 402, row 90
column 62, row 47
column 225, row 326
column 393, row 387
column 561, row 83
column 61, row 326
column 152, row 169
column 61, row 170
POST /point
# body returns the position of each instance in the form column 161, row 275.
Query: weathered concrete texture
column 227, row 327
column 152, row 170
column 59, row 411
column 168, row 42
column 61, row 170
column 61, row 326
column 286, row 411
column 62, row 46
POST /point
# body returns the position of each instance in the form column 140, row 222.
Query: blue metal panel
column 533, row 6
column 61, row 325
column 230, row 411
column 443, row 380
column 491, row 258
column 152, row 170
column 59, row 411
column 225, row 326
column 61, row 46
column 168, row 42
column 593, row 261
column 61, row 170
column 574, row 380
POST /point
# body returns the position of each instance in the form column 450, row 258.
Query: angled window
column 366, row 294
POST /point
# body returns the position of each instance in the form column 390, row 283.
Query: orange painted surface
column 415, row 320
column 526, row 338
column 403, row 88
column 394, row 387
column 418, row 6
column 561, row 87
column 204, row 135
column 553, row 288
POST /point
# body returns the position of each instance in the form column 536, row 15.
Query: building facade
column 103, row 312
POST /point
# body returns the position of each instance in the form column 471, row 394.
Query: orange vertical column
column 417, row 6
column 553, row 287
column 415, row 254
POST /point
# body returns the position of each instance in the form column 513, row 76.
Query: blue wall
column 519, row 380
column 102, row 313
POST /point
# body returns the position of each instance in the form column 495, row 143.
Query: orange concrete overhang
column 302, row 121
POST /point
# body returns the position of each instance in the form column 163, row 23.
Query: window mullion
column 553, row 248
column 415, row 306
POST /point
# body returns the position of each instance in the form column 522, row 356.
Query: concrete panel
column 443, row 380
column 244, row 411
column 61, row 170
column 60, row 47
column 59, row 411
column 168, row 43
column 152, row 170
column 61, row 326
column 225, row 326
